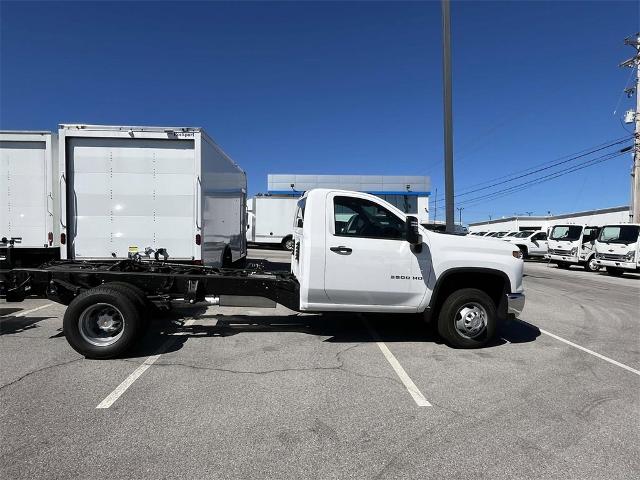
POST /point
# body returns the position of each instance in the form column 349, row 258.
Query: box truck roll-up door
column 23, row 192
column 130, row 194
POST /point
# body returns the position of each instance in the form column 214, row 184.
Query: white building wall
column 593, row 217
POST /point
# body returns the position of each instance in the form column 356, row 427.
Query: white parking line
column 402, row 374
column 27, row 312
column 591, row 352
column 120, row 389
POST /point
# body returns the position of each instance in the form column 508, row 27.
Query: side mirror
column 412, row 231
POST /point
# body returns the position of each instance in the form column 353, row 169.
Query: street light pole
column 448, row 123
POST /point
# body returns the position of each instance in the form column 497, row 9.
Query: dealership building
column 518, row 223
column 408, row 193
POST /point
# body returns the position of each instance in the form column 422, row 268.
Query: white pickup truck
column 530, row 243
column 353, row 252
column 573, row 245
column 618, row 249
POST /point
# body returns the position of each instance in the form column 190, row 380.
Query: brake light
column 198, row 239
column 63, row 238
column 50, row 238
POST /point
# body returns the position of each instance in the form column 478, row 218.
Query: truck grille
column 558, row 251
column 610, row 256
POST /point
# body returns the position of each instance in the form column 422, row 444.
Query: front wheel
column 615, row 272
column 467, row 319
column 591, row 265
column 102, row 322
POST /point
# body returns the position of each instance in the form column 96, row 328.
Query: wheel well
column 286, row 238
column 523, row 248
column 493, row 283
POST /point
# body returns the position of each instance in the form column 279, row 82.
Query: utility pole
column 634, row 62
column 435, row 206
column 460, row 213
column 448, row 123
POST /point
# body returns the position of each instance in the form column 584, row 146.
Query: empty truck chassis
column 160, row 282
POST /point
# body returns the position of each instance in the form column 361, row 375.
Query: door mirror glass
column 412, row 231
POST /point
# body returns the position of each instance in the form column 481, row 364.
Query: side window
column 357, row 217
column 299, row 219
column 540, row 236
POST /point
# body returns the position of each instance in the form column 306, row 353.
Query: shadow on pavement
column 171, row 334
column 12, row 324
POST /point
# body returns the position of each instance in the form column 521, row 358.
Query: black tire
column 615, row 272
column 138, row 297
column 288, row 243
column 113, row 298
column 450, row 309
column 590, row 265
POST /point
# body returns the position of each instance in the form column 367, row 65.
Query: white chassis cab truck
column 530, row 243
column 618, row 249
column 573, row 245
column 353, row 252
column 270, row 221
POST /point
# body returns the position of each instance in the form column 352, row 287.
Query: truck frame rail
column 159, row 281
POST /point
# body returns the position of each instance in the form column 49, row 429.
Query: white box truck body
column 270, row 220
column 128, row 189
column 28, row 207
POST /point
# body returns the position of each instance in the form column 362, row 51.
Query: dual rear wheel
column 105, row 321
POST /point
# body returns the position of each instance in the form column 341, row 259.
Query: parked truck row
column 614, row 247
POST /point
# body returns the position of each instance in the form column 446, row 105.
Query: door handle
column 341, row 249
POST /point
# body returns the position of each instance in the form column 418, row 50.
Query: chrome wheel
column 471, row 320
column 101, row 324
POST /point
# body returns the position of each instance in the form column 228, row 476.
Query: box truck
column 270, row 221
column 618, row 248
column 142, row 191
column 28, row 208
column 354, row 252
column 573, row 245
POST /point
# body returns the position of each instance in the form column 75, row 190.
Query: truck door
column 368, row 261
column 539, row 243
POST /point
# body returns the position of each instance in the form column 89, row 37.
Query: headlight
column 517, row 254
column 630, row 257
column 574, row 251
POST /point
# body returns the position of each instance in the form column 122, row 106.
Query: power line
column 544, row 166
column 545, row 178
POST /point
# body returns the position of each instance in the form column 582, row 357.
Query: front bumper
column 515, row 304
column 562, row 258
column 617, row 264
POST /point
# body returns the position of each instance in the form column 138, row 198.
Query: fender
column 435, row 297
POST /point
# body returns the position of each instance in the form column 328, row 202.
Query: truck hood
column 563, row 244
column 474, row 244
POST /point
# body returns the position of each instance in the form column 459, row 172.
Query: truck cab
column 617, row 248
column 573, row 245
column 356, row 252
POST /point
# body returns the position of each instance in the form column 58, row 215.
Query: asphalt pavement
column 267, row 393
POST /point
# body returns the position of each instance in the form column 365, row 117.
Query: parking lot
column 249, row 392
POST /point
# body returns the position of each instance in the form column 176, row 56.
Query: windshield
column 511, row 234
column 619, row 234
column 566, row 232
column 524, row 234
column 501, row 234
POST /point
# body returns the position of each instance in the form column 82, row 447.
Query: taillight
column 63, row 238
column 198, row 239
column 50, row 238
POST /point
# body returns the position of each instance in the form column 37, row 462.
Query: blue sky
column 331, row 87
